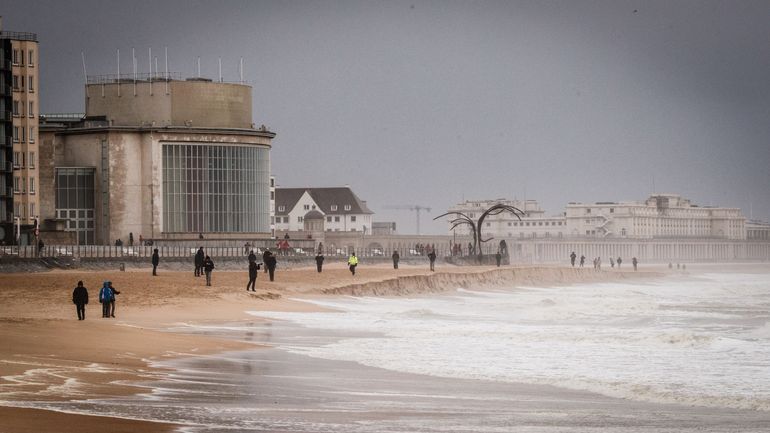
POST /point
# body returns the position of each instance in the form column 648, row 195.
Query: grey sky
column 432, row 102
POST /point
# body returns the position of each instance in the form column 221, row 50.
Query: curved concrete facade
column 191, row 103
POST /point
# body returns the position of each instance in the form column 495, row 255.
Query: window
column 612, row 210
column 15, row 82
column 272, row 195
column 31, row 185
column 31, row 83
column 300, row 219
column 352, row 218
column 16, row 184
column 334, row 207
column 509, row 224
column 286, row 220
column 23, row 134
column 16, row 159
column 31, row 111
column 281, row 208
column 328, row 219
column 272, row 182
column 31, row 57
column 22, row 154
column 307, row 207
column 21, row 57
column 22, row 82
column 588, row 210
column 23, row 185
column 17, row 209
column 31, row 210
column 489, row 224
column 347, row 207
column 15, row 134
column 336, row 219
column 15, row 108
column 16, row 56
column 31, row 138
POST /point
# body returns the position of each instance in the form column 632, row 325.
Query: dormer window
column 281, row 208
column 334, row 207
column 347, row 207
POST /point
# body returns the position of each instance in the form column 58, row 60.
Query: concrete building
column 660, row 216
column 313, row 211
column 19, row 179
column 161, row 158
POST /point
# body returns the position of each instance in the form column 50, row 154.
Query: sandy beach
column 47, row 354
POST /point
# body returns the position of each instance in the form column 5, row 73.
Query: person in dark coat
column 80, row 299
column 432, row 259
column 582, row 260
column 199, row 257
column 572, row 258
column 270, row 263
column 319, row 261
column 498, row 258
column 265, row 255
column 252, row 256
column 634, row 262
column 396, row 258
column 208, row 266
column 155, row 261
column 115, row 292
column 253, row 270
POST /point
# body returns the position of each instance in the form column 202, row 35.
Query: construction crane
column 412, row 207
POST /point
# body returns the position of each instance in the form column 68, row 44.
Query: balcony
column 18, row 36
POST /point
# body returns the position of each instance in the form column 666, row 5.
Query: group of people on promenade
column 597, row 262
column 106, row 297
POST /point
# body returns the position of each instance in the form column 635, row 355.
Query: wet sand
column 48, row 355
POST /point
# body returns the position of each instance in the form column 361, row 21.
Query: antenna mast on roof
column 199, row 66
column 85, row 75
column 118, row 73
column 166, row 48
column 240, row 70
column 220, row 69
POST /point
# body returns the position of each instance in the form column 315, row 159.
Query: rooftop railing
column 18, row 36
column 130, row 77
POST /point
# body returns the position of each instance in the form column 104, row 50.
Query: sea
column 681, row 353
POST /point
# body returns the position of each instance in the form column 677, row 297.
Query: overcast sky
column 433, row 102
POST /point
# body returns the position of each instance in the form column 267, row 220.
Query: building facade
column 318, row 210
column 19, row 182
column 159, row 158
column 661, row 216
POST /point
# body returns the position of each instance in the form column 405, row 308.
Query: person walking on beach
column 270, row 263
column 155, row 262
column 105, row 296
column 612, row 262
column 396, row 258
column 253, row 270
column 208, row 266
column 319, row 261
column 572, row 258
column 634, row 262
column 115, row 292
column 199, row 257
column 619, row 261
column 352, row 263
column 80, row 299
column 432, row 259
column 582, row 260
column 498, row 258
column 265, row 255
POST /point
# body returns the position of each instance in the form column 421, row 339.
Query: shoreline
column 141, row 337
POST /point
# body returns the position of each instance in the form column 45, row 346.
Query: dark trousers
column 197, row 271
column 112, row 308
column 318, row 265
column 252, row 283
column 154, row 269
column 106, row 309
column 353, row 269
column 271, row 271
column 432, row 264
column 395, row 264
column 208, row 278
column 81, row 311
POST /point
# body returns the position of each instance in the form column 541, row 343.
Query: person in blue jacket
column 105, row 298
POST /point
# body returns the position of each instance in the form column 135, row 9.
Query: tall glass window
column 215, row 188
column 75, row 201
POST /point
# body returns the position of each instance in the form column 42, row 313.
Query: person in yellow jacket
column 352, row 263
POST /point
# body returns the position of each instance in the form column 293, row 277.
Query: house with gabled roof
column 335, row 209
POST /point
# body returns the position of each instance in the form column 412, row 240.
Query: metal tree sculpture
column 478, row 239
